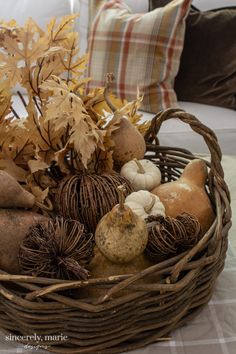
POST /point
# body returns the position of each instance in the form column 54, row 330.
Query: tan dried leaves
column 63, row 129
column 65, row 110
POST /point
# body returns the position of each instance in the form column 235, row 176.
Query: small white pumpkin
column 143, row 174
column 144, row 204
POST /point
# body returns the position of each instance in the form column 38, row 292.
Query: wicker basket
column 125, row 320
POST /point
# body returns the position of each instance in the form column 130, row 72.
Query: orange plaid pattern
column 142, row 50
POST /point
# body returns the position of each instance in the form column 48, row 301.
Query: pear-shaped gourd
column 128, row 141
column 12, row 195
column 188, row 194
column 14, row 225
column 121, row 235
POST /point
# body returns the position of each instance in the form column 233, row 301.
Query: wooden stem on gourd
column 148, row 208
column 121, row 194
column 109, row 78
column 140, row 167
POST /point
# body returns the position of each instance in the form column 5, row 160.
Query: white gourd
column 143, row 174
column 144, row 204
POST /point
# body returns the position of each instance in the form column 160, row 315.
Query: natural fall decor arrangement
column 105, row 235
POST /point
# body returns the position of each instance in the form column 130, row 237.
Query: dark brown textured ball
column 88, row 198
column 169, row 236
column 58, row 249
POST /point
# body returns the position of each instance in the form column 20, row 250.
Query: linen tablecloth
column 213, row 330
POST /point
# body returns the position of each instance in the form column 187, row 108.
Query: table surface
column 214, row 329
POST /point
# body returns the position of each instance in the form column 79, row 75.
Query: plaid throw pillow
column 142, row 50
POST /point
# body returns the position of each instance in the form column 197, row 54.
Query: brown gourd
column 14, row 225
column 101, row 267
column 121, row 235
column 12, row 195
column 188, row 194
column 129, row 143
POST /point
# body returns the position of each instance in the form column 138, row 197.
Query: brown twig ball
column 169, row 236
column 88, row 198
column 192, row 231
column 58, row 249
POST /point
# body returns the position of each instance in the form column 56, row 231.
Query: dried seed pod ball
column 161, row 242
column 60, row 249
column 169, row 236
column 88, row 198
column 193, row 231
column 121, row 235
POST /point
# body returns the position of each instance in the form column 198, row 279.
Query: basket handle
column 216, row 174
column 208, row 135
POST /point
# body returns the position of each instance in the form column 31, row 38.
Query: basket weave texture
column 132, row 313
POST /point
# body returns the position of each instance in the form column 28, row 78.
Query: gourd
column 12, row 195
column 128, row 141
column 14, row 225
column 144, row 204
column 121, row 235
column 188, row 194
column 101, row 267
column 143, row 174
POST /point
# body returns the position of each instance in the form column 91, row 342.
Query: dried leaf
column 28, row 46
column 66, row 110
column 37, row 165
column 58, row 32
column 9, row 70
column 5, row 101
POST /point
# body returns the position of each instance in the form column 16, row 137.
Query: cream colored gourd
column 144, row 204
column 121, row 235
column 143, row 174
column 188, row 194
column 12, row 195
